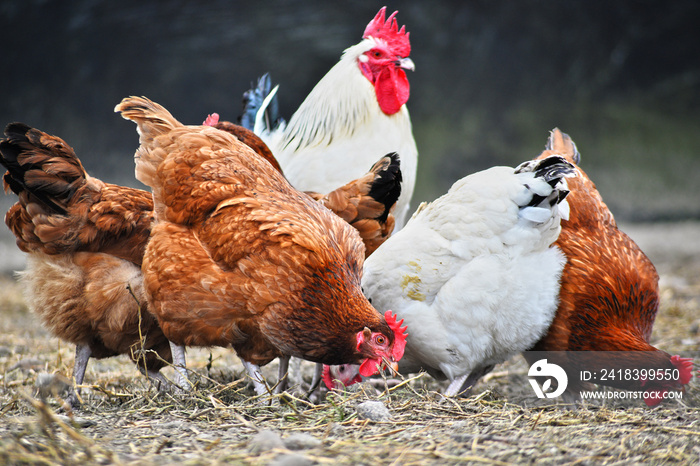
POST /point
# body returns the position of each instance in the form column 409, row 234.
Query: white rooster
column 354, row 115
column 473, row 274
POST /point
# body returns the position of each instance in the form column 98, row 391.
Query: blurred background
column 492, row 79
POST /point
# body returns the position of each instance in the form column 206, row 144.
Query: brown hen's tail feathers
column 562, row 144
column 367, row 203
column 153, row 120
column 40, row 165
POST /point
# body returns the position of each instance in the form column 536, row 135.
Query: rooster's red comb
column 685, row 368
column 388, row 30
column 400, row 334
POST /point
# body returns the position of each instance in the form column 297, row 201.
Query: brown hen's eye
column 380, row 340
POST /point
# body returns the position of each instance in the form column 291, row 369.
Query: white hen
column 474, row 274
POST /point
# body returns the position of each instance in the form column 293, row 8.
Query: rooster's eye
column 376, row 54
column 380, row 340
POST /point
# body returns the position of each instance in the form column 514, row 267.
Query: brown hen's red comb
column 327, row 379
column 685, row 368
column 388, row 30
column 212, row 120
column 400, row 335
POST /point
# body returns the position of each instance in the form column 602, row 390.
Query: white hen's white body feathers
column 474, row 279
column 339, row 131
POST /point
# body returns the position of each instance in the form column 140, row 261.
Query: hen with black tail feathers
column 85, row 241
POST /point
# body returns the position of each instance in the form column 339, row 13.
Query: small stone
column 374, row 411
column 5, row 351
column 293, row 459
column 51, row 384
column 265, row 440
column 172, row 425
column 77, row 421
column 301, row 442
column 337, row 430
column 459, row 425
column 26, row 364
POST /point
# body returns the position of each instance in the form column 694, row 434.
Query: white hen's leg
column 82, row 356
column 455, row 386
column 180, row 367
column 283, row 375
column 462, row 386
column 258, row 380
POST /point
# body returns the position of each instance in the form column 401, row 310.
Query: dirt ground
column 125, row 420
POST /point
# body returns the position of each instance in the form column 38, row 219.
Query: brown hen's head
column 655, row 390
column 378, row 350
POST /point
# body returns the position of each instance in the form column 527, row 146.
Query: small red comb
column 400, row 334
column 212, row 120
column 388, row 30
column 327, row 379
column 685, row 368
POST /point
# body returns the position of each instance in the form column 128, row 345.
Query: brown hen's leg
column 258, row 379
column 283, row 375
column 316, row 380
column 180, row 365
column 157, row 379
column 82, row 356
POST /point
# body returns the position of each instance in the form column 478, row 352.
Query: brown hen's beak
column 392, row 365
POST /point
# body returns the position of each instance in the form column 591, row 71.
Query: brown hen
column 237, row 257
column 85, row 241
column 367, row 203
column 609, row 293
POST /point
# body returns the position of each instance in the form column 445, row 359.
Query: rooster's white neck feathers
column 350, row 99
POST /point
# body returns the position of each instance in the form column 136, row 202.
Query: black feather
column 551, row 169
column 387, row 187
column 46, row 186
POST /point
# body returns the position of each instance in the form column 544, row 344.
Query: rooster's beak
column 406, row 64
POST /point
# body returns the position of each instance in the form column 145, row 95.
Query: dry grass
column 126, row 421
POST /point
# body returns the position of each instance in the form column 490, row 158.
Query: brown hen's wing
column 251, row 140
column 62, row 209
column 367, row 203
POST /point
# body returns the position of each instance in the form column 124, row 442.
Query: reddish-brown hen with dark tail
column 609, row 293
column 85, row 241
